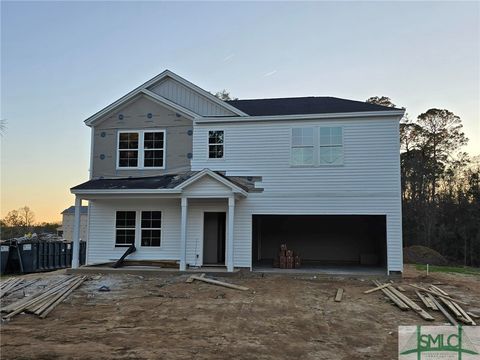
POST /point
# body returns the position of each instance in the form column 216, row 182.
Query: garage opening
column 321, row 240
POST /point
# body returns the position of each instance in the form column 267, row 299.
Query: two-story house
column 185, row 176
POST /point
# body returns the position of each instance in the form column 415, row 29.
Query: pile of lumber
column 202, row 277
column 43, row 302
column 432, row 298
column 286, row 259
column 14, row 284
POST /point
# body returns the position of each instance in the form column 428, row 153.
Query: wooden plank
column 468, row 319
column 400, row 288
column 437, row 294
column 429, row 297
column 423, row 299
column 339, row 295
column 219, row 283
column 439, row 290
column 63, row 297
column 391, row 296
column 377, row 288
column 473, row 315
column 425, row 315
column 444, row 312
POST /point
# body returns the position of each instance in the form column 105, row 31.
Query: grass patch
column 450, row 269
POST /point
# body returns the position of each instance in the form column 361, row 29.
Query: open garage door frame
column 321, row 240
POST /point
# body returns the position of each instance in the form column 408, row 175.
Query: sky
column 63, row 61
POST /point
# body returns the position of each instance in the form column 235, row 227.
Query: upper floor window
column 215, row 144
column 331, row 146
column 302, row 146
column 141, row 149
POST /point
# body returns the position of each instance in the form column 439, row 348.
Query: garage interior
column 321, row 240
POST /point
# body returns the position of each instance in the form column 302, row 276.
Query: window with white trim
column 151, row 228
column 141, row 149
column 303, row 146
column 215, row 144
column 331, row 146
column 125, row 228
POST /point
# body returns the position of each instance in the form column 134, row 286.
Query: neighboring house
column 185, row 176
column 68, row 217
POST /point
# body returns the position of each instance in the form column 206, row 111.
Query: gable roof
column 304, row 105
column 143, row 89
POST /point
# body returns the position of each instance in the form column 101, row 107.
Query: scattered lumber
column 465, row 317
column 425, row 315
column 43, row 302
column 16, row 287
column 339, row 295
column 400, row 288
column 392, row 296
column 380, row 287
column 423, row 299
column 119, row 263
column 444, row 312
column 216, row 282
column 437, row 294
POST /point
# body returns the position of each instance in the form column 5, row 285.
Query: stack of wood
column 432, row 298
column 14, row 284
column 287, row 259
column 44, row 301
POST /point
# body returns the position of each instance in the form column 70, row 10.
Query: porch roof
column 171, row 183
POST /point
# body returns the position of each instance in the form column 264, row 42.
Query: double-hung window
column 303, row 146
column 151, row 228
column 215, row 144
column 331, row 146
column 125, row 228
column 141, row 149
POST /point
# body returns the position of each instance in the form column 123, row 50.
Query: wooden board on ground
column 438, row 294
column 216, row 282
column 339, row 295
column 425, row 315
column 380, row 287
column 444, row 312
column 391, row 296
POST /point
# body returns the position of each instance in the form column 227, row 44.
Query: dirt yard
column 282, row 317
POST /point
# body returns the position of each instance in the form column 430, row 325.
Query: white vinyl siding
column 368, row 182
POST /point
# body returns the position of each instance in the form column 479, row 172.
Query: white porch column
column 231, row 213
column 183, row 235
column 76, row 233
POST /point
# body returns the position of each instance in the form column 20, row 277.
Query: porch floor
column 326, row 270
column 147, row 270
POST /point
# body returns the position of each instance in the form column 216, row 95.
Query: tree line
column 19, row 222
column 440, row 185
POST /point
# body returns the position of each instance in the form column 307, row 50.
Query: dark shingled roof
column 71, row 210
column 304, row 105
column 155, row 182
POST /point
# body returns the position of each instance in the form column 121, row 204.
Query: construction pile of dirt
column 418, row 254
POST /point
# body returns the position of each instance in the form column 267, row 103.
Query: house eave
column 391, row 113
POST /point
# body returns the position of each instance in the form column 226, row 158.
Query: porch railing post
column 183, row 235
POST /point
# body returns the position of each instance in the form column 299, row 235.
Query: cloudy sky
column 63, row 61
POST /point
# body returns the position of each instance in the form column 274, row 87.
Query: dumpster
column 29, row 254
column 42, row 256
column 50, row 255
column 68, row 252
column 4, row 252
column 63, row 255
column 83, row 252
column 56, row 254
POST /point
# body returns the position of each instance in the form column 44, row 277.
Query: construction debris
column 215, row 282
column 377, row 288
column 287, row 259
column 13, row 285
column 43, row 302
column 339, row 295
column 436, row 293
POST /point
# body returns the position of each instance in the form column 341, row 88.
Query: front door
column 214, row 238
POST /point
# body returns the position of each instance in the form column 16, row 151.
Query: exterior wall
column 67, row 226
column 183, row 96
column 368, row 183
column 101, row 248
column 177, row 141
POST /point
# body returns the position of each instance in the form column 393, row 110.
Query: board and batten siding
column 368, row 182
column 188, row 98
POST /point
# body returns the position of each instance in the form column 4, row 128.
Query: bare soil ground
column 282, row 317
